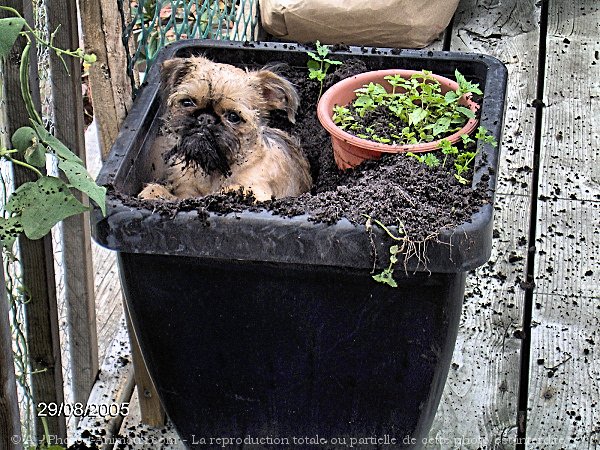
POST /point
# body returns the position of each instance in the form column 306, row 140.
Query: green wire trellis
column 156, row 23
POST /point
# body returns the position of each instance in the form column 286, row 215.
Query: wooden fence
column 101, row 33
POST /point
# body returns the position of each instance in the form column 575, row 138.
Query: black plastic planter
column 264, row 327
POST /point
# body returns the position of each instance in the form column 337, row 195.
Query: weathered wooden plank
column 566, row 301
column 479, row 403
column 480, row 400
column 110, row 395
column 565, row 374
column 110, row 83
column 10, row 424
column 570, row 161
column 566, row 326
column 36, row 256
column 109, row 303
column 568, row 245
column 67, row 108
column 109, row 300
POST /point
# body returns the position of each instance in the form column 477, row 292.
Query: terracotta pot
column 349, row 150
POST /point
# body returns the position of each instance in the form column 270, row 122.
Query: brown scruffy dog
column 215, row 136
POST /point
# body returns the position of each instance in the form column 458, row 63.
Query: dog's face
column 217, row 111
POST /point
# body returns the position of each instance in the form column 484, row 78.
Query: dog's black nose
column 206, row 118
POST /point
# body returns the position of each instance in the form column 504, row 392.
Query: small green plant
column 429, row 159
column 319, row 64
column 462, row 160
column 483, row 135
column 448, row 149
column 342, row 116
column 406, row 248
column 387, row 275
column 416, row 105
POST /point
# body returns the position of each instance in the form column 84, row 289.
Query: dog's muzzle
column 204, row 142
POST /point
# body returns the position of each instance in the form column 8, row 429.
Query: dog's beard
column 208, row 147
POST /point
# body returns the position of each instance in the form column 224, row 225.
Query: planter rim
column 260, row 235
column 331, row 98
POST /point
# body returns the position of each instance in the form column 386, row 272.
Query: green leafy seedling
column 447, row 149
column 387, row 275
column 465, row 86
column 462, row 165
column 463, row 161
column 429, row 159
column 483, row 135
column 342, row 117
column 319, row 64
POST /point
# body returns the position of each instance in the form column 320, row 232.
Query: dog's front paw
column 154, row 191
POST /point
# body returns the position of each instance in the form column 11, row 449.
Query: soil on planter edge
column 394, row 189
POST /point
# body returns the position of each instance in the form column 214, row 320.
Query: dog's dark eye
column 233, row 117
column 187, row 103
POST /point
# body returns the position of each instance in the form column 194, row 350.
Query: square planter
column 263, row 326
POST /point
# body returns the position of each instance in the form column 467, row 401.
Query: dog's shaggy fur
column 216, row 137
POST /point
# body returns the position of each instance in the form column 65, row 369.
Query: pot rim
column 329, row 100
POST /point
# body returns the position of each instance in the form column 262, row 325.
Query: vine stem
column 37, row 37
column 24, row 164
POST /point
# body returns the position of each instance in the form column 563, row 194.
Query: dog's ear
column 277, row 92
column 172, row 72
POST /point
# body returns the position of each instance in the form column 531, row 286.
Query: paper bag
column 382, row 23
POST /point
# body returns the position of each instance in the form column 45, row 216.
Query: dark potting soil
column 380, row 122
column 394, row 189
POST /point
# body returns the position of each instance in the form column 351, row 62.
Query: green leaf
column 55, row 145
column 313, row 65
column 465, row 112
column 80, row 179
column 386, row 277
column 466, row 139
column 332, row 61
column 466, row 86
column 42, row 204
column 10, row 229
column 23, row 138
column 451, row 97
column 441, row 125
column 417, row 116
column 90, row 58
column 322, row 50
column 9, row 32
column 313, row 56
column 461, row 179
column 431, row 160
